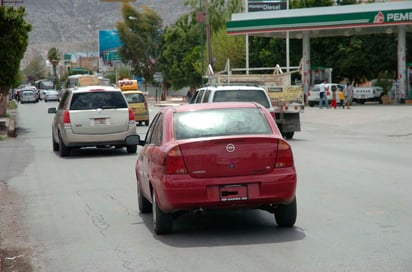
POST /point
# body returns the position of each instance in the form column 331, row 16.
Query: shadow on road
column 226, row 228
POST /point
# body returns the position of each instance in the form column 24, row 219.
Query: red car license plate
column 233, row 193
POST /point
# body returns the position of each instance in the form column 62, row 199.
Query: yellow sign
column 128, row 84
column 284, row 94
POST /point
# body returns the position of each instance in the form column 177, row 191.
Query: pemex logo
column 379, row 18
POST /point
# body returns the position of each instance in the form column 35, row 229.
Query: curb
column 7, row 127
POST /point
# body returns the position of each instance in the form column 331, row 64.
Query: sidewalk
column 170, row 101
column 8, row 125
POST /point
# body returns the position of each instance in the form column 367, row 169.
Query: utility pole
column 209, row 48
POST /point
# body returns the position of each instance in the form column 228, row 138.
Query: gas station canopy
column 325, row 21
column 377, row 18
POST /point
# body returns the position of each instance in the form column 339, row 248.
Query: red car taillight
column 284, row 155
column 66, row 117
column 131, row 115
column 174, row 163
column 308, row 93
column 145, row 105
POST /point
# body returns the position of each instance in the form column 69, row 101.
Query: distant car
column 367, row 94
column 313, row 94
column 51, row 95
column 137, row 102
column 93, row 116
column 27, row 96
column 199, row 157
column 42, row 93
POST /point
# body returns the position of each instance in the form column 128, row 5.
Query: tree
column 181, row 62
column 54, row 57
column 183, row 51
column 310, row 3
column 13, row 43
column 140, row 34
column 36, row 69
column 228, row 47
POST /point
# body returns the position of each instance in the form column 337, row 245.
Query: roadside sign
column 266, row 5
column 158, row 77
column 111, row 56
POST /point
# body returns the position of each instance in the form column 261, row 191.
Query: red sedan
column 215, row 156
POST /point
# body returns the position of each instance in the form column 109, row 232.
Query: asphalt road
column 354, row 184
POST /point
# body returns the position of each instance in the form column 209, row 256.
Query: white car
column 93, row 116
column 313, row 94
column 28, row 96
column 51, row 95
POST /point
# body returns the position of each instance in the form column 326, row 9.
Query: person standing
column 322, row 95
column 348, row 92
column 189, row 95
column 341, row 97
column 333, row 101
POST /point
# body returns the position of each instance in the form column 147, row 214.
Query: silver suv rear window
column 96, row 100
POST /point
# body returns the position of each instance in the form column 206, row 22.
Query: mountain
column 72, row 26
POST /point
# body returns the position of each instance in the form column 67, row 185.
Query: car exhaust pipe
column 198, row 211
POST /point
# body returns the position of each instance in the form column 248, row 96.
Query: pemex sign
column 321, row 19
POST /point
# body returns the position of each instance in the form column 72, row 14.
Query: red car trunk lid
column 228, row 157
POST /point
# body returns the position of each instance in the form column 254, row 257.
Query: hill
column 72, row 26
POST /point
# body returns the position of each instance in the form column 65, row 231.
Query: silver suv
column 93, row 116
column 231, row 93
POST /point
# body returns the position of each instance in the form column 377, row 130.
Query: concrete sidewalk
column 8, row 125
column 170, row 101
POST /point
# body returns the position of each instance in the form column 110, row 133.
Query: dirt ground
column 15, row 254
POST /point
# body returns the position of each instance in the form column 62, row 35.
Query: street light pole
column 200, row 19
column 209, row 48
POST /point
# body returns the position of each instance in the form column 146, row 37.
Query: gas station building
column 376, row 18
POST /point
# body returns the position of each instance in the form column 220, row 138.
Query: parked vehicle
column 27, row 96
column 93, row 116
column 43, row 85
column 367, row 94
column 313, row 93
column 229, row 155
column 51, row 95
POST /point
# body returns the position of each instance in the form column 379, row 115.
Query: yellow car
column 137, row 102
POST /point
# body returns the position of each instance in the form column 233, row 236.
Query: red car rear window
column 220, row 122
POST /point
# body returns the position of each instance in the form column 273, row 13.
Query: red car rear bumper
column 182, row 192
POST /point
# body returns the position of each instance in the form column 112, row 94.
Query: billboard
column 109, row 42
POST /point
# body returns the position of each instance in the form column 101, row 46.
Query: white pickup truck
column 365, row 94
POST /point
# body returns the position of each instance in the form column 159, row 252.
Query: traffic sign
column 111, row 56
column 158, row 77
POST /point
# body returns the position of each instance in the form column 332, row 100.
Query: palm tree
column 54, row 57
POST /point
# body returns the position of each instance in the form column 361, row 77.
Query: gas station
column 375, row 18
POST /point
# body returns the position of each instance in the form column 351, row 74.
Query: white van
column 365, row 94
column 313, row 93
